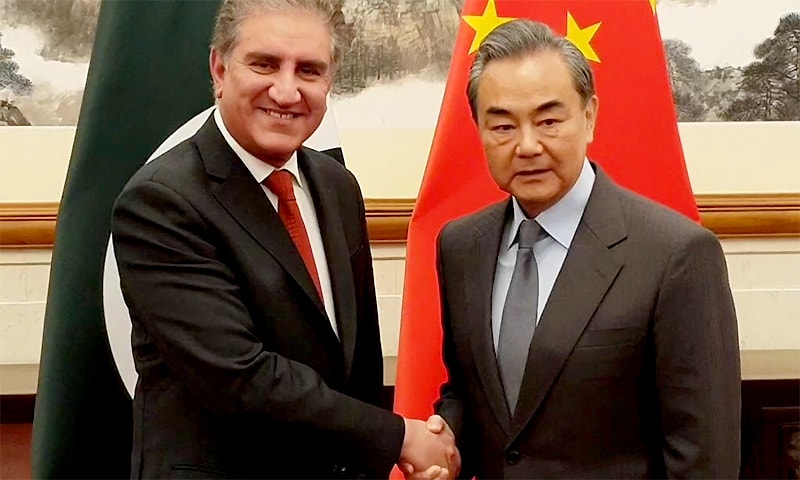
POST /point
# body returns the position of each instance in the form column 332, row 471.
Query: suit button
column 513, row 457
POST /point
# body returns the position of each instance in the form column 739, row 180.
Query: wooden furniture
column 771, row 414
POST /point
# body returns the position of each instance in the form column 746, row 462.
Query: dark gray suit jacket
column 633, row 371
column 240, row 372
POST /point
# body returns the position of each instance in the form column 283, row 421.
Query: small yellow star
column 653, row 5
column 582, row 37
column 484, row 24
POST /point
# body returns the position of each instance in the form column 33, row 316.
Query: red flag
column 636, row 142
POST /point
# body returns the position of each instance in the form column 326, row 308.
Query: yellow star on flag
column 484, row 24
column 582, row 37
column 653, row 5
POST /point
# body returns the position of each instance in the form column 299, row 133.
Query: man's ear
column 216, row 64
column 591, row 117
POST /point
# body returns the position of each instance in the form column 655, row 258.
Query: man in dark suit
column 245, row 264
column 588, row 332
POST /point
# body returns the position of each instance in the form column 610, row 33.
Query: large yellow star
column 653, row 5
column 484, row 24
column 582, row 37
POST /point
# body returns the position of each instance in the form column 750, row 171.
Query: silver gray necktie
column 519, row 314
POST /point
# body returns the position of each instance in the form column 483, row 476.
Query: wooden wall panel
column 32, row 225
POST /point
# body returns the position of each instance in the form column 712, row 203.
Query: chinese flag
column 636, row 142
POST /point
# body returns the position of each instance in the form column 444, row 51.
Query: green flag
column 148, row 75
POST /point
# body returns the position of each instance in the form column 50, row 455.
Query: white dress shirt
column 560, row 223
column 260, row 171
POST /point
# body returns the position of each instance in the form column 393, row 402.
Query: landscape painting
column 45, row 47
column 733, row 60
column 729, row 60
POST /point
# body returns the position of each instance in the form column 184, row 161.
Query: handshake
column 429, row 450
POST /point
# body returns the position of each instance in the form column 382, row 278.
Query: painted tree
column 721, row 88
column 685, row 77
column 393, row 38
column 10, row 77
column 770, row 86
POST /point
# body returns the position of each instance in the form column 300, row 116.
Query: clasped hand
column 429, row 450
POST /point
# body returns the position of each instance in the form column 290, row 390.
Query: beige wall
column 23, row 290
column 33, row 163
column 721, row 158
column 764, row 275
column 389, row 163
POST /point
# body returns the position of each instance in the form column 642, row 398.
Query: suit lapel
column 479, row 280
column 588, row 271
column 239, row 193
column 324, row 195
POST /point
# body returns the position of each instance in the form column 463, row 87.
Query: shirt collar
column 260, row 170
column 561, row 220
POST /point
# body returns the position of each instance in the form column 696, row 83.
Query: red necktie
column 280, row 183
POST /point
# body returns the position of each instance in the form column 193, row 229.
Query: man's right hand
column 436, row 424
column 428, row 445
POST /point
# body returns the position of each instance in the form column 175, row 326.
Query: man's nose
column 529, row 141
column 284, row 90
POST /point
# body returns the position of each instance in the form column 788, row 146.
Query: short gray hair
column 233, row 13
column 524, row 37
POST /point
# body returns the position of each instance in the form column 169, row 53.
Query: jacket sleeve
column 450, row 404
column 698, row 377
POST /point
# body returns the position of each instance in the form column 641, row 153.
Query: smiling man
column 246, row 267
column 588, row 332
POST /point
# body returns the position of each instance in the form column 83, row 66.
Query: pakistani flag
column 148, row 78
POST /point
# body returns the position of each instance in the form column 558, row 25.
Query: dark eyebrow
column 315, row 64
column 551, row 105
column 261, row 56
column 497, row 111
column 546, row 106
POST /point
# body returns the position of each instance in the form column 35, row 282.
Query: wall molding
column 28, row 225
column 32, row 225
column 727, row 215
column 751, row 215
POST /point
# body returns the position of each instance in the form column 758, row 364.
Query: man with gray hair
column 246, row 267
column 588, row 332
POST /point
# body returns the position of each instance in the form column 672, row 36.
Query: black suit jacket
column 633, row 370
column 240, row 372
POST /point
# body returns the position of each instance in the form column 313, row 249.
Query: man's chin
column 276, row 155
column 274, row 158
